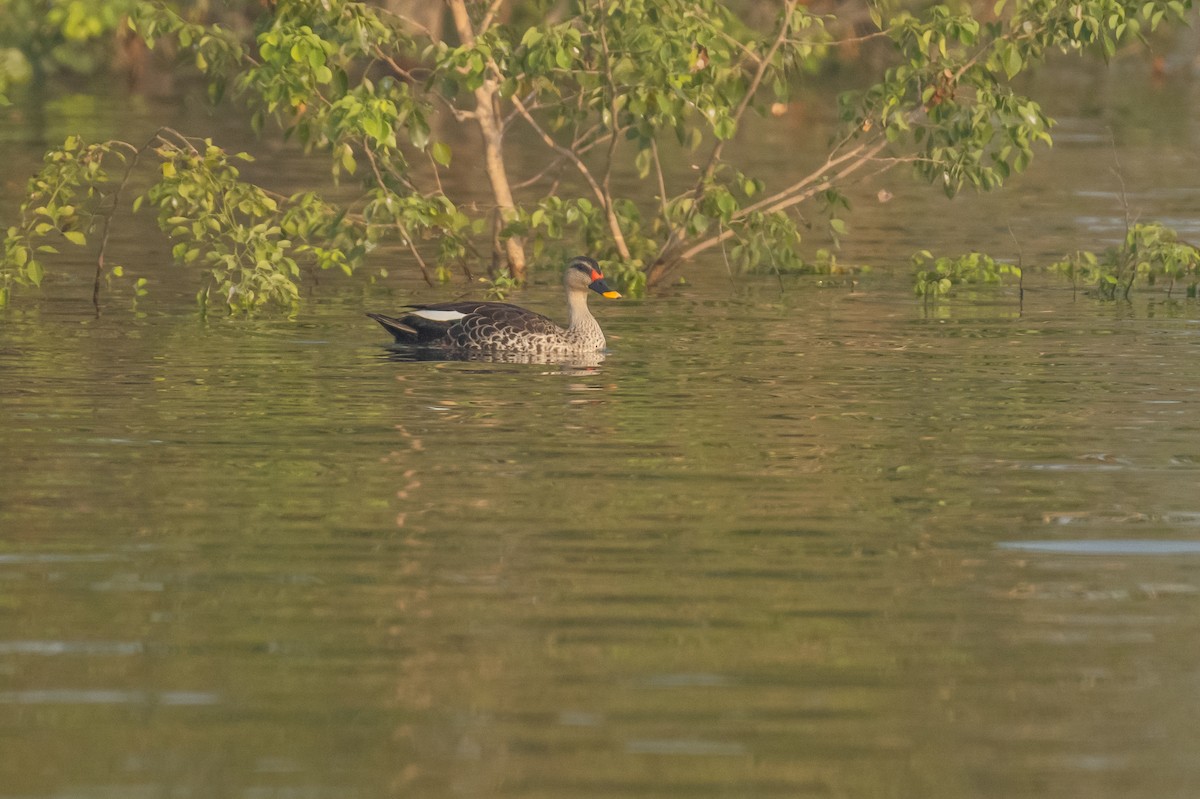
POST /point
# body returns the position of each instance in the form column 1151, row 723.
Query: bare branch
column 613, row 224
column 866, row 37
column 437, row 175
column 815, row 175
column 406, row 20
column 490, row 16
column 492, row 130
column 787, row 198
column 662, row 183
column 458, row 113
column 756, row 81
column 610, row 82
column 565, row 152
column 867, row 156
column 555, row 163
column 137, row 154
column 512, row 116
column 412, row 248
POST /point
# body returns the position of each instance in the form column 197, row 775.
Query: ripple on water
column 99, row 696
column 1117, row 546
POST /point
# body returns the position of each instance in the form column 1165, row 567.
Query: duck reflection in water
column 406, row 353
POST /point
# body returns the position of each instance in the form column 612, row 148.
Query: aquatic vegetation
column 1150, row 252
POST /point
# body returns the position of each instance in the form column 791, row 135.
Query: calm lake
column 791, row 538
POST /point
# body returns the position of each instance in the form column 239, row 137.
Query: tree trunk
column 493, row 149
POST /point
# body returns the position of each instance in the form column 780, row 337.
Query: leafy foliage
column 53, row 210
column 40, row 37
column 1150, row 252
column 937, row 277
column 603, row 86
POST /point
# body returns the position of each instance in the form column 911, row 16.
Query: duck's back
column 475, row 325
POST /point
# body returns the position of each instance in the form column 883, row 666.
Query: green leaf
column 725, row 128
column 643, row 161
column 374, row 127
column 34, row 272
column 75, row 237
column 1012, row 62
column 441, row 153
column 418, row 133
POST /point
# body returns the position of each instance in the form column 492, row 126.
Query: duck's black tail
column 402, row 332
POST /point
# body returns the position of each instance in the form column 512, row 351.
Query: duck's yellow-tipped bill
column 600, row 287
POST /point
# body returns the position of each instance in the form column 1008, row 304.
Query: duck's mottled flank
column 503, row 327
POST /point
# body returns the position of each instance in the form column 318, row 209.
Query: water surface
column 789, row 538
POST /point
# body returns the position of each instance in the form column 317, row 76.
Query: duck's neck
column 580, row 322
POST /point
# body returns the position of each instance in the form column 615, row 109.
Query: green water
column 786, row 540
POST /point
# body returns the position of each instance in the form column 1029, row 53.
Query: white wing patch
column 439, row 316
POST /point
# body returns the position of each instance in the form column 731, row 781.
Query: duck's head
column 584, row 273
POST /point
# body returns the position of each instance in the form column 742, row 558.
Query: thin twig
column 862, row 153
column 490, row 16
column 555, row 163
column 404, row 19
column 458, row 113
column 751, row 90
column 116, row 199
column 374, row 166
column 1020, row 271
column 866, row 37
column 782, row 204
column 416, row 254
column 1126, row 253
column 565, row 152
column 849, row 169
column 725, row 254
column 613, row 224
column 437, row 177
column 610, row 83
column 662, row 183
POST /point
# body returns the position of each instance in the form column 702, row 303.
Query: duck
column 504, row 327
